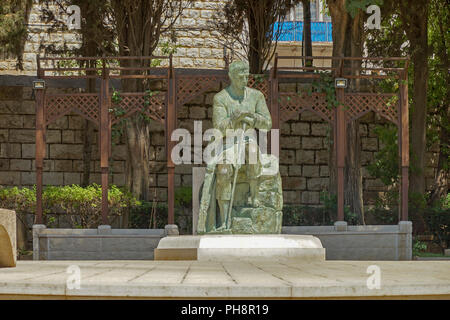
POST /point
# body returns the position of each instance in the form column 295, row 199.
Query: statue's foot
column 221, row 228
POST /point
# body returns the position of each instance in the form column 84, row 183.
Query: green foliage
column 352, row 6
column 21, row 200
column 329, row 201
column 305, row 216
column 141, row 215
column 437, row 221
column 418, row 247
column 259, row 78
column 324, row 85
column 82, row 204
column 167, row 48
column 183, row 196
column 295, row 215
column 386, row 160
column 381, row 215
column 438, row 93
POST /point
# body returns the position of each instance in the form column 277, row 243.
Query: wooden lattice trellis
column 260, row 83
column 291, row 104
column 182, row 88
column 189, row 87
column 358, row 104
column 85, row 104
column 153, row 105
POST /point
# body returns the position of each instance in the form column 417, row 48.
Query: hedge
column 82, row 204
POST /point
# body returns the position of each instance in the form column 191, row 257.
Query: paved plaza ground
column 286, row 279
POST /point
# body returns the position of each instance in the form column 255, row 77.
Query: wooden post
column 274, row 106
column 104, row 141
column 404, row 143
column 171, row 122
column 340, row 146
column 40, row 144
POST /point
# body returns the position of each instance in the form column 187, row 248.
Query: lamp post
column 39, row 88
column 340, row 85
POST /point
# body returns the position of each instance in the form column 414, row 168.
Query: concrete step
column 240, row 247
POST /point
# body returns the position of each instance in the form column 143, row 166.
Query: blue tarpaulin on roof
column 293, row 31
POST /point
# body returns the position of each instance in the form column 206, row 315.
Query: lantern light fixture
column 340, row 83
column 39, row 84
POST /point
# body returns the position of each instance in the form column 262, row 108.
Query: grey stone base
column 370, row 242
column 272, row 247
column 103, row 243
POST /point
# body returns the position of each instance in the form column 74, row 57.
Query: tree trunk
column 137, row 136
column 418, row 123
column 135, row 39
column 88, row 139
column 414, row 16
column 307, row 31
column 138, row 162
column 255, row 50
column 90, row 48
column 353, row 173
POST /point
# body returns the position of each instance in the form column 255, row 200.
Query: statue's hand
column 250, row 120
column 239, row 115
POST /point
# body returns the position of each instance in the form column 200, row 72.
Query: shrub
column 305, row 216
column 83, row 205
column 154, row 214
column 437, row 221
column 418, row 247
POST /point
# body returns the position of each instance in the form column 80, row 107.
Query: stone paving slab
column 285, row 279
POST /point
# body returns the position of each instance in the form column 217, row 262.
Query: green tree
column 439, row 93
column 421, row 32
column 250, row 25
column 139, row 25
column 414, row 18
column 347, row 18
column 13, row 30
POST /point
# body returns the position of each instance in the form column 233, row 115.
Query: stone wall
column 63, row 164
column 197, row 42
column 95, row 244
column 369, row 242
column 303, row 156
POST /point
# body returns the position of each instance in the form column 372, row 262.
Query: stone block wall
column 63, row 164
column 197, row 42
column 303, row 156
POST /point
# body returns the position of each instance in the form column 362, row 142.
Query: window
column 317, row 12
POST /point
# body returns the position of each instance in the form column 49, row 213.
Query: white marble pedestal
column 240, row 247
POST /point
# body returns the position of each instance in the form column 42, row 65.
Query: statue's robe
column 224, row 106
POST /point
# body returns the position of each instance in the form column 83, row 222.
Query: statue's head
column 238, row 73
